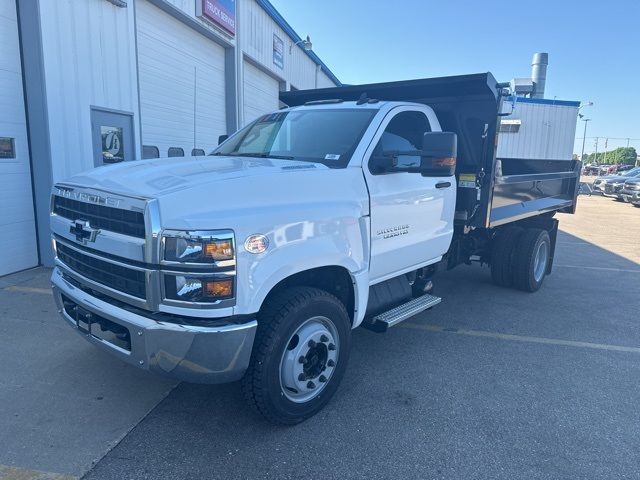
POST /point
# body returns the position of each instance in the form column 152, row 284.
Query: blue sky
column 593, row 46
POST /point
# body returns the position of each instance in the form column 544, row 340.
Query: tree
column 622, row 155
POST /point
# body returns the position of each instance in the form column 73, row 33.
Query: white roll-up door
column 260, row 93
column 182, row 84
column 17, row 223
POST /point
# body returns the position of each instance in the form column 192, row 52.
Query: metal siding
column 260, row 92
column 17, row 231
column 91, row 61
column 256, row 30
column 182, row 74
column 547, row 132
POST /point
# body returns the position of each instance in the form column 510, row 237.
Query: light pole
column 585, row 120
column 584, row 137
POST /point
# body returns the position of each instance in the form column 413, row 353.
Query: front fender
column 304, row 246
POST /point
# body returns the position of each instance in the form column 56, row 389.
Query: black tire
column 502, row 252
column 524, row 262
column 277, row 322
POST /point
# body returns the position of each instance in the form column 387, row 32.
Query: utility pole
column 606, row 142
column 628, row 142
column 584, row 136
column 595, row 158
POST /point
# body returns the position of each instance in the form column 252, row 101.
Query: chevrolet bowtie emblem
column 83, row 231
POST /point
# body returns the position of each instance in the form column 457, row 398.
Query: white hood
column 231, row 192
column 162, row 176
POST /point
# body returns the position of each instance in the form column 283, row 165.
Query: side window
column 150, row 151
column 175, row 152
column 404, row 133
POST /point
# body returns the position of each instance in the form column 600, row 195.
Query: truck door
column 411, row 215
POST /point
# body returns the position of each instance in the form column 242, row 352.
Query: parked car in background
column 631, row 191
column 624, row 168
column 600, row 183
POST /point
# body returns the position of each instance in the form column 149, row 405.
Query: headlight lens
column 197, row 289
column 198, row 249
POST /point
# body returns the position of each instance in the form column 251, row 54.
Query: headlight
column 188, row 288
column 198, row 247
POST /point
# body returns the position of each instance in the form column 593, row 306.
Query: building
column 83, row 83
column 533, row 127
column 537, row 128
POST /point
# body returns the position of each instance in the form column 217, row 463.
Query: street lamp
column 588, row 104
column 585, row 120
column 306, row 44
column 584, row 137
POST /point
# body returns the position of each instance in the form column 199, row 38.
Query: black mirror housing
column 439, row 154
column 437, row 157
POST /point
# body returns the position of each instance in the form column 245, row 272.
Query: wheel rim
column 309, row 359
column 540, row 262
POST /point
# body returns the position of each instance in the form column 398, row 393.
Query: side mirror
column 439, row 154
column 222, row 138
column 436, row 159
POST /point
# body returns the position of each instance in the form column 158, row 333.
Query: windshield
column 328, row 136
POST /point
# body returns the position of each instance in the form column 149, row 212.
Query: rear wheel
column 502, row 252
column 299, row 356
column 531, row 259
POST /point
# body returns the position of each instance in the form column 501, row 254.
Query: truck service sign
column 219, row 12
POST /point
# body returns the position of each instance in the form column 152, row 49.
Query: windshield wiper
column 261, row 155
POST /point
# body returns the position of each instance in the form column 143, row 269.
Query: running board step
column 383, row 321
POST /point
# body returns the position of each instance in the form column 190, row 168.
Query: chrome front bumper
column 191, row 353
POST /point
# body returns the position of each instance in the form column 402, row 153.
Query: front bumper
column 632, row 196
column 192, row 353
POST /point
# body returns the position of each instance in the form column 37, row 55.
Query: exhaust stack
column 539, row 73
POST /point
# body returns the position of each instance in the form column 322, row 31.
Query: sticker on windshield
column 331, row 156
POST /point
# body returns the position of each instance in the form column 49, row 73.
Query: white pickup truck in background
column 257, row 261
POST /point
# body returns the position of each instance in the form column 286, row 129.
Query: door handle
column 443, row 184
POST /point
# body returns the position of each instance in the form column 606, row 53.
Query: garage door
column 182, row 84
column 260, row 93
column 17, row 225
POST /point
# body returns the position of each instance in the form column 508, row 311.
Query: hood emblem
column 83, row 232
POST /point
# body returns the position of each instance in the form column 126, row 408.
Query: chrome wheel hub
column 309, row 359
column 540, row 262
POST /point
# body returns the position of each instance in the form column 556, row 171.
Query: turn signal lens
column 218, row 249
column 444, row 162
column 218, row 288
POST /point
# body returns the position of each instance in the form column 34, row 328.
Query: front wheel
column 299, row 356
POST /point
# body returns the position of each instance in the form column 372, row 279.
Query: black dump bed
column 469, row 105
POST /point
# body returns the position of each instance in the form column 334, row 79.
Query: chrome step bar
column 385, row 320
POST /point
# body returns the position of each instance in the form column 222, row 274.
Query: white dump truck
column 255, row 262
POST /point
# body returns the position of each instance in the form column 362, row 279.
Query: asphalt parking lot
column 492, row 383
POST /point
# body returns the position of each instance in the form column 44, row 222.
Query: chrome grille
column 127, row 222
column 118, row 277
